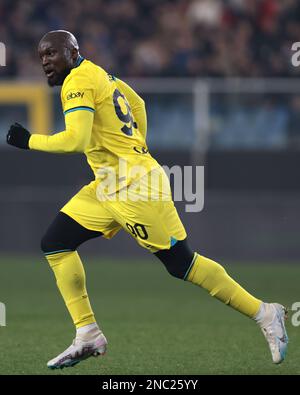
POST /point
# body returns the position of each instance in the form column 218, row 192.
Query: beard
column 57, row 79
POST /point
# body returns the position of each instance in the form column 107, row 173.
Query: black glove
column 18, row 136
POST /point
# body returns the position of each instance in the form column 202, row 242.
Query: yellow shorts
column 154, row 223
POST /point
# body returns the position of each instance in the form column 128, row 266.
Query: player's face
column 57, row 61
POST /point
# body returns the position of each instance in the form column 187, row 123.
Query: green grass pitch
column 154, row 323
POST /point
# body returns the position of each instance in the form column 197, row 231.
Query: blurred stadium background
column 220, row 91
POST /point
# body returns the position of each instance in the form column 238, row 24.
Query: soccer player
column 106, row 120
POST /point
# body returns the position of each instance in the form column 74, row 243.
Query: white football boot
column 271, row 319
column 80, row 349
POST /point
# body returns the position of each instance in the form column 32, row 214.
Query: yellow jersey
column 116, row 144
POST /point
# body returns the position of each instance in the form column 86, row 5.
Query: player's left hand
column 18, row 136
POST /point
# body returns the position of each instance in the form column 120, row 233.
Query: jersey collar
column 79, row 60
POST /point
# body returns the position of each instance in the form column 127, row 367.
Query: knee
column 54, row 241
column 177, row 259
column 49, row 243
column 173, row 271
column 65, row 234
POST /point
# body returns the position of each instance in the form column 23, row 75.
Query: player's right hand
column 18, row 136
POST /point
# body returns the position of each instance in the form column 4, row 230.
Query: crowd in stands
column 194, row 38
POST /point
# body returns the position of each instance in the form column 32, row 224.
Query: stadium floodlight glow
column 2, row 54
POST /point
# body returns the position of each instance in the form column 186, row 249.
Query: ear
column 74, row 54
